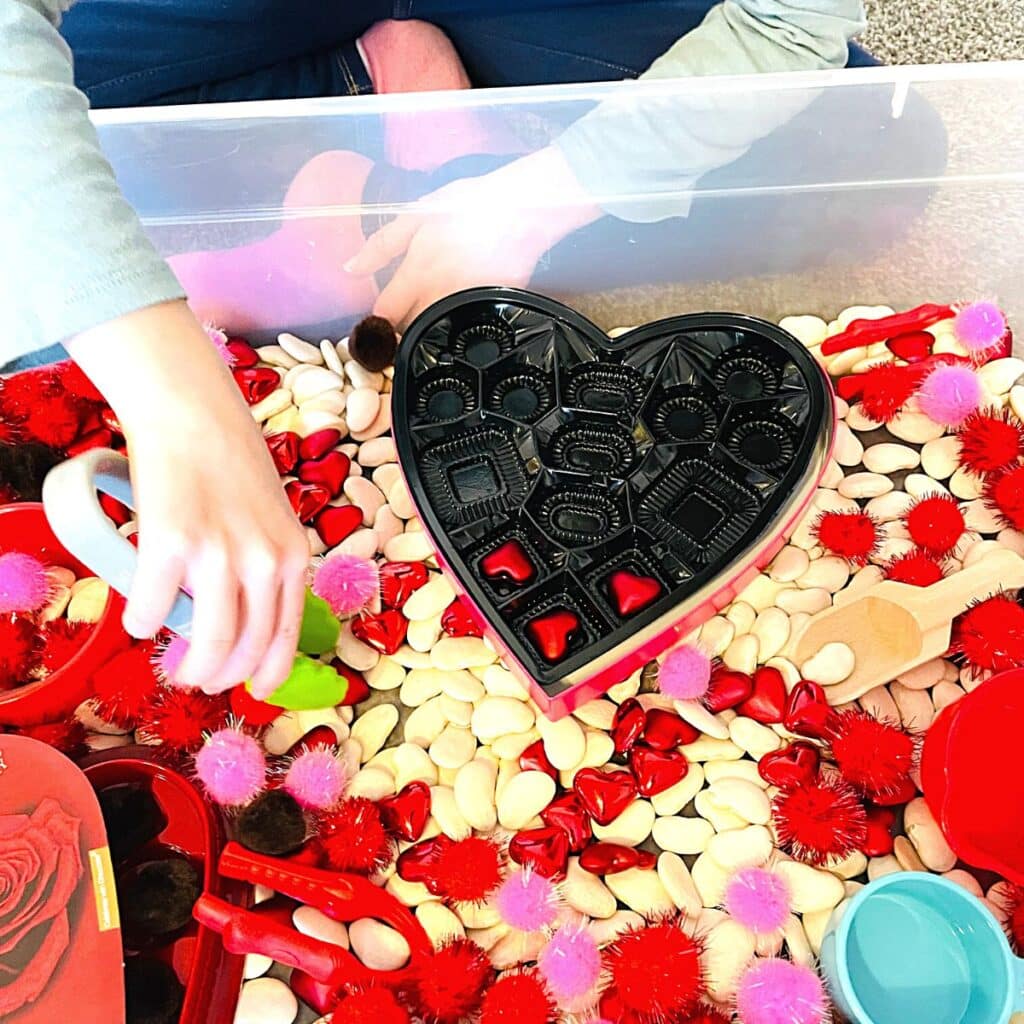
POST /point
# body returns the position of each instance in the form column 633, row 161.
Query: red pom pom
column 19, row 650
column 935, row 523
column 61, row 640
column 990, row 440
column 125, row 685
column 885, row 389
column 1004, row 492
column 370, row 1006
column 56, row 422
column 708, row 1016
column 518, row 997
column 1011, row 902
column 874, row 757
column 178, row 719
column 73, row 379
column 448, row 987
column 354, row 838
column 918, row 568
column 469, row 870
column 68, row 736
column 820, row 821
column 850, row 535
column 989, row 636
column 654, row 973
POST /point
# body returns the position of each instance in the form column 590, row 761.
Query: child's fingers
column 215, row 621
column 158, row 576
column 398, row 300
column 260, row 599
column 277, row 663
column 384, row 246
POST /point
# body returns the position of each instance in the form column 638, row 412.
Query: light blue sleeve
column 625, row 152
column 72, row 251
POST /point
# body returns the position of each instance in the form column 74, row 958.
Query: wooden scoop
column 894, row 627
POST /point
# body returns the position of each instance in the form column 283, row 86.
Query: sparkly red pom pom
column 61, row 640
column 820, row 821
column 18, row 650
column 935, row 523
column 1004, row 492
column 990, row 440
column 125, row 685
column 518, row 997
column 873, row 756
column 370, row 1006
column 449, row 987
column 354, row 837
column 469, row 870
column 989, row 636
column 886, row 388
column 708, row 1016
column 178, row 719
column 654, row 973
column 1011, row 902
column 918, row 568
column 850, row 535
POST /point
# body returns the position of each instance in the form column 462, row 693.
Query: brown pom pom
column 373, row 344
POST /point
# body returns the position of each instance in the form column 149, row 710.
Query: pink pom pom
column 317, row 779
column 758, row 899
column 527, row 901
column 570, row 963
column 780, row 992
column 980, row 326
column 220, row 343
column 168, row 659
column 232, row 767
column 685, row 673
column 949, row 394
column 347, row 583
column 24, row 585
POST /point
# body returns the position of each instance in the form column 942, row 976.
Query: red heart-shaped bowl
column 596, row 499
column 24, row 528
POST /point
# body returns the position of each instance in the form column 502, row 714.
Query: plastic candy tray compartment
column 620, row 482
column 212, row 977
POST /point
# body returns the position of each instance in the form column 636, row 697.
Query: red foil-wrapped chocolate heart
column 628, row 725
column 546, row 850
column 457, row 620
column 727, row 689
column 256, row 382
column 384, row 631
column 508, row 562
column 807, row 711
column 358, row 688
column 534, row 759
column 399, row 580
column 336, row 522
column 416, row 864
column 319, row 443
column 791, row 766
column 605, row 795
column 408, row 811
column 657, row 770
column 631, row 593
column 568, row 813
column 306, row 499
column 329, row 470
column 243, row 355
column 252, row 712
column 665, row 730
column 611, row 858
column 552, row 632
column 911, row 347
column 767, row 704
column 284, row 450
column 879, row 842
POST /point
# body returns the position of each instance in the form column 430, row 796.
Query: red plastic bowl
column 24, row 527
column 212, row 977
column 972, row 778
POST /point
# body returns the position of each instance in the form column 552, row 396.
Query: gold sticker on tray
column 103, row 888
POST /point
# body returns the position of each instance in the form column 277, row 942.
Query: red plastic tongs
column 325, row 969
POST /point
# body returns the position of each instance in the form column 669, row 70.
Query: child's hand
column 491, row 230
column 212, row 514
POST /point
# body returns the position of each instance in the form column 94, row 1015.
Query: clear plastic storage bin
column 793, row 192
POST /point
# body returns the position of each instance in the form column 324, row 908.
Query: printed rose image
column 40, row 869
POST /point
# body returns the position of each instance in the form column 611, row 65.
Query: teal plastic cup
column 914, row 948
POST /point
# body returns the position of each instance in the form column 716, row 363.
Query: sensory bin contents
column 583, row 489
column 673, row 850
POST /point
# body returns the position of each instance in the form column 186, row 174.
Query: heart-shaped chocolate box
column 596, row 499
